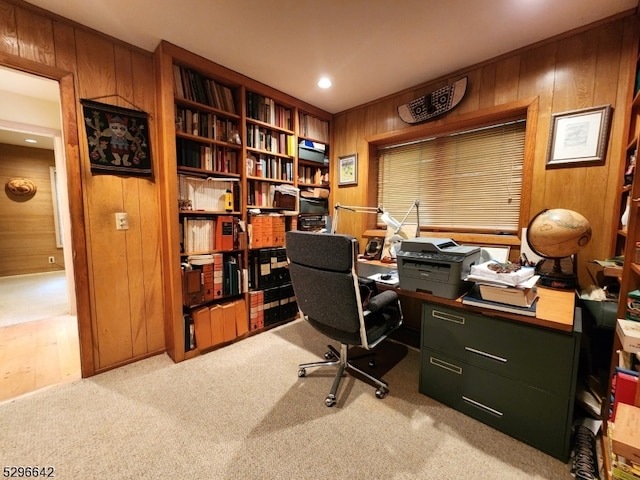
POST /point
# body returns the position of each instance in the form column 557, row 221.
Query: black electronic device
column 373, row 249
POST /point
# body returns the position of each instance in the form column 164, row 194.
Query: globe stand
column 556, row 278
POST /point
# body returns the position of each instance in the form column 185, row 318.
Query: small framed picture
column 348, row 169
column 579, row 137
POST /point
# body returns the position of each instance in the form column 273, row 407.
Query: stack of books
column 504, row 287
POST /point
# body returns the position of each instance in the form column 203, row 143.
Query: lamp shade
column 390, row 221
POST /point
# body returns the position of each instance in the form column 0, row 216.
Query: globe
column 558, row 233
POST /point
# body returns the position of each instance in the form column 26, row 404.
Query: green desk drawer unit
column 516, row 377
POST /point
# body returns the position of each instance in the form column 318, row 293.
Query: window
column 468, row 181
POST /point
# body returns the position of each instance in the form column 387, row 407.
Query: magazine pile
column 508, row 287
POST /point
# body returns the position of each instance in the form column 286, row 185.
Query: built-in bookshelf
column 231, row 172
column 270, row 148
column 627, row 236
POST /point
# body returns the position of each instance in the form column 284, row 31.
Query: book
column 519, row 297
column 224, row 233
column 474, row 298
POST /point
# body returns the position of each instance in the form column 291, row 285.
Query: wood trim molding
column 488, row 116
column 76, row 207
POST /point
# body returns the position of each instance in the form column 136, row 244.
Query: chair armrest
column 382, row 300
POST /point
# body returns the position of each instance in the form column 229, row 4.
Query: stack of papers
column 515, row 287
column 524, row 277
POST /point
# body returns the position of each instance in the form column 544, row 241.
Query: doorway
column 39, row 342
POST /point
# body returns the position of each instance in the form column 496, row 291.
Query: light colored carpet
column 241, row 412
column 24, row 298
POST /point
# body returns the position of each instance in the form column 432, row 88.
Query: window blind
column 467, row 181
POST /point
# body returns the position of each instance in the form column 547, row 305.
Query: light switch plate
column 122, row 221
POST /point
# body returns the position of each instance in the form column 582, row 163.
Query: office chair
column 335, row 302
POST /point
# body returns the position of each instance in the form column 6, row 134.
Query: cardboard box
column 242, row 325
column 217, row 327
column 228, row 321
column 202, row 327
column 629, row 334
column 625, row 440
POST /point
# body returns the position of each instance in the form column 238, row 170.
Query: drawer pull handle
column 447, row 316
column 485, row 354
column 446, row 365
column 483, row 406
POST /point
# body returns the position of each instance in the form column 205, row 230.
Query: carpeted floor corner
column 242, row 412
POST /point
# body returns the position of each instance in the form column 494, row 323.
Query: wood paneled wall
column 118, row 273
column 583, row 69
column 27, row 236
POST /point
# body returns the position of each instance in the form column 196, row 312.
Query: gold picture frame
column 348, row 170
column 579, row 137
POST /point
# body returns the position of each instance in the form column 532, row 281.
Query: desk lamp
column 350, row 208
column 397, row 236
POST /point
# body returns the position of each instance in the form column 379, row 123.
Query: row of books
column 266, row 110
column 267, row 166
column 207, row 157
column 271, row 305
column 207, row 125
column 209, row 277
column 313, row 127
column 260, row 194
column 207, row 194
column 262, row 138
column 268, row 268
column 208, row 234
column 313, row 175
column 191, row 85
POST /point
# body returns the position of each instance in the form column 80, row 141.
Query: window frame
column 523, row 109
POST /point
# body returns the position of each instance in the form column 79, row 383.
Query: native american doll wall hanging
column 118, row 139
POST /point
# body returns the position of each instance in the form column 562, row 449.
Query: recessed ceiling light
column 30, row 140
column 324, row 82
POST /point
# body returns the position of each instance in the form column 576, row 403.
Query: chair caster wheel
column 302, row 372
column 330, row 401
column 381, row 393
column 329, row 355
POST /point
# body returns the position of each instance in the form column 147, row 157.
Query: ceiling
column 369, row 48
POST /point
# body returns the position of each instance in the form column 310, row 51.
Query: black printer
column 435, row 265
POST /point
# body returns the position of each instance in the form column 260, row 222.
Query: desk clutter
column 503, row 286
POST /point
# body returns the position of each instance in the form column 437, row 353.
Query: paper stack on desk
column 490, row 274
column 512, row 285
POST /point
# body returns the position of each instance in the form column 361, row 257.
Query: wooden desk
column 555, row 308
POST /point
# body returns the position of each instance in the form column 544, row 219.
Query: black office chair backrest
column 322, row 268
